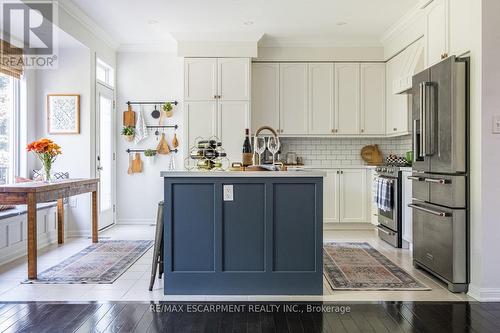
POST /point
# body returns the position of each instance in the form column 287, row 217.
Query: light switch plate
column 228, row 193
column 496, row 125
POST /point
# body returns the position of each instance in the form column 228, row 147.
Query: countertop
column 223, row 174
column 327, row 167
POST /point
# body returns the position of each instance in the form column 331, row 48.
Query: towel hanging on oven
column 384, row 195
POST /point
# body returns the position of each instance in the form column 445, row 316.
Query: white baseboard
column 348, row 226
column 18, row 250
column 484, row 294
column 136, row 221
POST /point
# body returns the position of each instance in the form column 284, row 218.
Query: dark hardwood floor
column 250, row 317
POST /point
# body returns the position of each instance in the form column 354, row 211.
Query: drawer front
column 447, row 191
column 440, row 241
column 420, row 189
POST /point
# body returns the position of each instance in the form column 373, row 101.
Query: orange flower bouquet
column 46, row 150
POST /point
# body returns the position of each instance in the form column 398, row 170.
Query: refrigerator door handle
column 419, row 179
column 430, row 211
column 438, row 181
column 421, row 152
column 423, row 120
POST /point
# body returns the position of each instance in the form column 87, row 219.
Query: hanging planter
column 150, row 155
column 168, row 109
column 128, row 133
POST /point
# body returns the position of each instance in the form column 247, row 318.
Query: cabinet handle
column 444, row 55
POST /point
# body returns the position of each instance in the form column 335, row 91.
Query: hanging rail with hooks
column 150, row 103
column 163, row 126
column 143, row 150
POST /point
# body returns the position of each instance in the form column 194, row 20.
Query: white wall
column 71, row 76
column 146, row 77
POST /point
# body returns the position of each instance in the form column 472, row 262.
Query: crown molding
column 78, row 14
column 318, row 44
column 164, row 47
column 414, row 14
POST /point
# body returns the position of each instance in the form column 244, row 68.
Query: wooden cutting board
column 129, row 117
column 137, row 163
column 372, row 155
column 163, row 147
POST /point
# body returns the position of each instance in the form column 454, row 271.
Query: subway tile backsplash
column 332, row 152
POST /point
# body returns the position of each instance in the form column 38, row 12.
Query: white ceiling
column 282, row 22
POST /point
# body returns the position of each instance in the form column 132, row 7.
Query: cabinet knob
column 333, row 131
column 219, row 96
column 395, row 129
column 215, row 96
column 362, row 130
column 336, row 130
column 444, row 55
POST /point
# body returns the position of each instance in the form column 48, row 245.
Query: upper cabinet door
column 200, row 79
column 437, row 31
column 321, row 97
column 265, row 95
column 233, row 117
column 396, row 104
column 373, row 99
column 347, row 98
column 234, row 79
column 200, row 120
column 293, row 98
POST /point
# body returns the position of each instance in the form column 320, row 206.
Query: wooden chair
column 158, row 248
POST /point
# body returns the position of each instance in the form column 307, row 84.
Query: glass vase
column 47, row 178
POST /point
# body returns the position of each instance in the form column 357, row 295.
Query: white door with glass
column 105, row 157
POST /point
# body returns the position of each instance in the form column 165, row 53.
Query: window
column 104, row 73
column 9, row 105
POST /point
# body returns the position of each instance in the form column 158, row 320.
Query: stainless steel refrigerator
column 440, row 171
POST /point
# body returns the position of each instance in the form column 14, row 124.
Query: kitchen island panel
column 294, row 227
column 243, row 227
column 193, row 224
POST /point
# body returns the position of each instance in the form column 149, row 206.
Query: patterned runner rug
column 98, row 263
column 358, row 266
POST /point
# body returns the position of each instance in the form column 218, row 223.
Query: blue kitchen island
column 243, row 233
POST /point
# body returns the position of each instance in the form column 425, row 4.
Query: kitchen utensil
column 137, row 163
column 291, row 158
column 129, row 117
column 372, row 155
column 130, row 171
column 409, row 157
column 175, row 142
column 163, row 147
column 273, row 145
column 259, row 147
column 156, row 113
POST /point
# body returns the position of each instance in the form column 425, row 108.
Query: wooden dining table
column 32, row 193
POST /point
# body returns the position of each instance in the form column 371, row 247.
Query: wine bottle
column 247, row 150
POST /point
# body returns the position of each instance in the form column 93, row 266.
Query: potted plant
column 167, row 108
column 150, row 155
column 46, row 151
column 128, row 132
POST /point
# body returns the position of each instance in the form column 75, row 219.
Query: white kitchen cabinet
column 200, row 79
column 331, row 196
column 353, row 195
column 217, row 95
column 233, row 79
column 372, row 99
column 321, row 98
column 201, row 118
column 232, row 118
column 347, row 98
column 265, row 95
column 460, row 26
column 397, row 111
column 437, row 31
column 293, row 98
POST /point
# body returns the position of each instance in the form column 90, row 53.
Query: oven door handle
column 438, row 181
column 380, row 228
column 430, row 211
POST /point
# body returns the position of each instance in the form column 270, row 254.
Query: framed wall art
column 63, row 113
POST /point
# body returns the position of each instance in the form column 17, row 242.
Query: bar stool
column 158, row 247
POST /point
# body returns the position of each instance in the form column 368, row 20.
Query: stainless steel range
column 390, row 225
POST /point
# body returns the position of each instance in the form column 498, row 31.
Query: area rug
column 99, row 263
column 358, row 266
